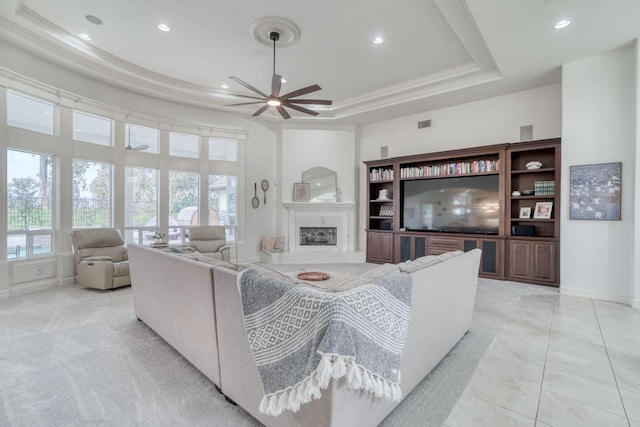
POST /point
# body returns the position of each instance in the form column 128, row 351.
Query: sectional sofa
column 194, row 304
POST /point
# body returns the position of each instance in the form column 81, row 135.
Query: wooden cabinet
column 379, row 247
column 517, row 243
column 533, row 261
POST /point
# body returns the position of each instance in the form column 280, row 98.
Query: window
column 89, row 128
column 29, row 204
column 183, row 199
column 223, row 149
column 91, row 194
column 139, row 136
column 29, row 113
column 222, row 203
column 184, row 145
column 141, row 204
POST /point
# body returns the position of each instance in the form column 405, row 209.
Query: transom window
column 183, row 145
column 90, row 128
column 29, row 113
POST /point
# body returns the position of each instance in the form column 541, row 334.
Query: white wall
column 599, row 126
column 490, row 121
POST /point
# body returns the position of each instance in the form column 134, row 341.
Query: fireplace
column 318, row 236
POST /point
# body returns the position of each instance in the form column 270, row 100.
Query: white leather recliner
column 101, row 258
column 210, row 241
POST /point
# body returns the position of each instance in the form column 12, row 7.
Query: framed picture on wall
column 301, row 192
column 595, row 192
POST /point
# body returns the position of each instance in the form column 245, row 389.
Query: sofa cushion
column 426, row 261
column 207, row 245
column 265, row 271
column 215, row 262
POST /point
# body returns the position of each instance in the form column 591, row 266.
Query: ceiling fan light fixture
column 274, row 102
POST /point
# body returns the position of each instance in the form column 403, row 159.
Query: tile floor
column 558, row 361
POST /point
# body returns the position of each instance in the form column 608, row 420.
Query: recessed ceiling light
column 562, row 24
column 164, row 27
column 224, row 86
column 378, row 40
column 93, row 19
column 84, row 36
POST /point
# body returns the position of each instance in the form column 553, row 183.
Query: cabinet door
column 491, row 261
column 545, row 261
column 386, row 247
column 373, row 247
column 520, row 264
column 379, row 247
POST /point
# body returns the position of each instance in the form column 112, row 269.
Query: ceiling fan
column 277, row 100
column 137, row 147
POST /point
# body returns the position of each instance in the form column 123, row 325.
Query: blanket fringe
column 330, row 366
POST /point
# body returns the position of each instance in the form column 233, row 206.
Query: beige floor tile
column 574, row 364
column 516, row 349
column 631, row 402
column 571, row 345
column 561, row 411
column 629, row 345
column 511, row 383
column 473, row 412
column 592, row 336
column 586, row 391
column 536, row 339
column 628, row 330
column 627, row 379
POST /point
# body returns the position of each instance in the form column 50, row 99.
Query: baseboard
column 27, row 288
column 604, row 296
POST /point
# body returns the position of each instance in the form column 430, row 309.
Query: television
column 461, row 204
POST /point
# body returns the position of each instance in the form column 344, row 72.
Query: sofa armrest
column 97, row 258
column 95, row 273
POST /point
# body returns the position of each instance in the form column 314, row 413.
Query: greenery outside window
column 29, row 204
column 222, row 203
column 141, row 204
column 91, row 194
column 183, row 202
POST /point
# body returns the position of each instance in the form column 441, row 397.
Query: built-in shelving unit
column 523, row 249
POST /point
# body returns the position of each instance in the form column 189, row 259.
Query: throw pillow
column 426, row 261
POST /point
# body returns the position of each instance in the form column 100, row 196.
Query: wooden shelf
column 532, row 219
column 552, row 196
column 381, row 217
column 519, row 171
column 381, row 201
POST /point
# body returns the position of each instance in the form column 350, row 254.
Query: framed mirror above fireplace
column 322, row 184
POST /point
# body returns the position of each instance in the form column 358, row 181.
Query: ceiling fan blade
column 283, row 112
column 301, row 109
column 311, row 101
column 245, row 96
column 261, row 110
column 248, row 86
column 244, row 103
column 300, row 92
column 140, row 147
column 276, row 84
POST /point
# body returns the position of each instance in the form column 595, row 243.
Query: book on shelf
column 455, row 168
column 544, row 188
column 381, row 174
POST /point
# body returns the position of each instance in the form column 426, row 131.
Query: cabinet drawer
column 450, row 243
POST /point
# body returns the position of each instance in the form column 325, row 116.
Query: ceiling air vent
column 424, row 124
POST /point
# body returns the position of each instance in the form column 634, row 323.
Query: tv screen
column 466, row 204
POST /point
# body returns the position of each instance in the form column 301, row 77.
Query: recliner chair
column 101, row 258
column 210, row 241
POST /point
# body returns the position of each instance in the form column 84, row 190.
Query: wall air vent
column 424, row 124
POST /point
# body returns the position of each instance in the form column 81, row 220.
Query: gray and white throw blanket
column 301, row 338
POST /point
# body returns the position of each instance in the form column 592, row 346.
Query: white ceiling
column 436, row 52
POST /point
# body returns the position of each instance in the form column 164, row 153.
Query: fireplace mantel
column 339, row 215
column 300, row 206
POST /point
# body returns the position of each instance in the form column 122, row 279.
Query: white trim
column 604, row 296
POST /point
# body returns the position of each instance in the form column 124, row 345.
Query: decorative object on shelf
column 255, row 202
column 533, row 165
column 272, row 244
column 528, row 192
column 313, row 276
column 516, row 193
column 158, row 236
column 383, row 194
column 543, row 210
column 595, row 192
column 301, row 192
column 338, row 195
column 265, row 186
column 525, row 212
column 386, row 209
